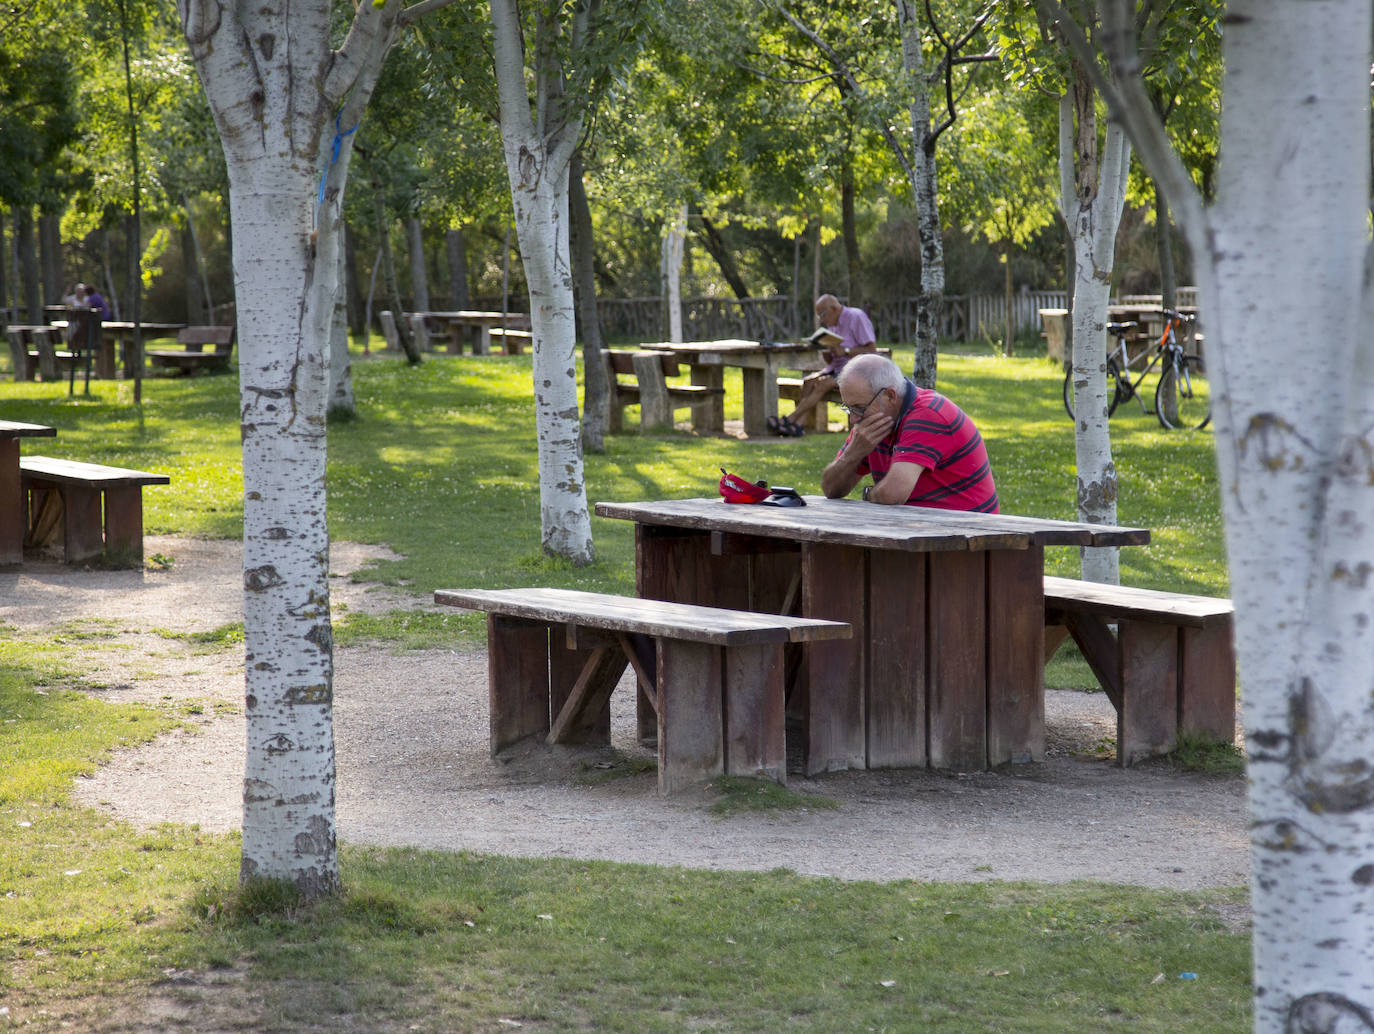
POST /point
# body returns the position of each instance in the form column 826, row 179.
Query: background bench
column 191, row 356
column 791, row 388
column 1170, row 668
column 511, row 341
column 714, row 677
column 65, row 499
column 657, row 398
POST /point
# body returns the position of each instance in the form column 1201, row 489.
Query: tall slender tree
column 276, row 85
column 1288, row 232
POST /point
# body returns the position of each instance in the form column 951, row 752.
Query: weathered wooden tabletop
column 851, row 522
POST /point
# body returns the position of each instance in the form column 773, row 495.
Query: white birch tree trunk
column 1293, row 433
column 537, row 153
column 673, row 243
column 1288, row 234
column 1093, row 193
column 272, row 104
column 925, row 191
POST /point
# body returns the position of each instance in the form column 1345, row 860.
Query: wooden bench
column 714, row 677
column 32, row 352
column 1170, row 669
column 511, row 341
column 657, row 398
column 65, row 499
column 191, row 355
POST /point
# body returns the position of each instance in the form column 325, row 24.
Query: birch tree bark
column 273, row 103
column 925, row 190
column 538, row 146
column 1288, row 233
column 674, row 237
column 1092, row 194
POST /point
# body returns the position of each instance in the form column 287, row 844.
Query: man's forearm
column 842, row 473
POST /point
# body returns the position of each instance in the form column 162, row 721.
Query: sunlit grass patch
column 736, row 794
column 413, row 629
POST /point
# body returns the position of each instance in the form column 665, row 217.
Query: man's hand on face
column 873, row 428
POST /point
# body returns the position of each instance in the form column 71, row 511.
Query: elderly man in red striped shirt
column 920, row 448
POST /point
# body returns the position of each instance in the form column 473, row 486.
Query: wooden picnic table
column 479, row 323
column 946, row 665
column 13, row 509
column 117, row 338
column 759, row 365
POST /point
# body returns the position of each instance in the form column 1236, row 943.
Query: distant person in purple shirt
column 92, row 299
column 855, row 331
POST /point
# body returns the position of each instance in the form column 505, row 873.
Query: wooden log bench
column 657, row 399
column 1169, row 670
column 190, row 355
column 510, row 340
column 714, row 677
column 96, row 511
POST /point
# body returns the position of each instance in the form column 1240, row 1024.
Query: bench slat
column 649, row 617
column 93, row 475
column 1121, row 601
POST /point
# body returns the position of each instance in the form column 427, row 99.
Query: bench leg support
column 754, row 691
column 517, row 679
column 691, row 748
column 124, row 525
column 1207, row 682
column 1146, row 722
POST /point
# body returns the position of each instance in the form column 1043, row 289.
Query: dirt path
column 413, row 766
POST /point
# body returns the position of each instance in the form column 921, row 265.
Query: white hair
column 877, row 371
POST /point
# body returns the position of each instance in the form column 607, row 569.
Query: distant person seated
column 88, row 297
column 854, row 331
column 921, row 448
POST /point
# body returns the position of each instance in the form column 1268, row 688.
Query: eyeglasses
column 859, row 411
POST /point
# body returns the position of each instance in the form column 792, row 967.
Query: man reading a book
column 845, row 332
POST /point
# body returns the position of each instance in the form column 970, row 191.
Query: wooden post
column 655, row 409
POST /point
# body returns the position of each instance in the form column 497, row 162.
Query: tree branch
column 1130, row 105
column 842, row 70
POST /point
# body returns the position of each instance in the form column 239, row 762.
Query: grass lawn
column 96, row 917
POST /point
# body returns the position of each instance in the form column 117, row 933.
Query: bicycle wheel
column 1113, row 389
column 1183, row 397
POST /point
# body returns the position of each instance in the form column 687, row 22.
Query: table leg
column 13, row 520
column 833, row 582
column 760, row 398
column 897, row 660
column 105, row 357
column 709, row 417
column 1016, row 658
column 956, row 632
column 482, row 344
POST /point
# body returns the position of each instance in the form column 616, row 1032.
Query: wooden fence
column 966, row 317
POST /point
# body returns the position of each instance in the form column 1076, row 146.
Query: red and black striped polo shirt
column 935, row 433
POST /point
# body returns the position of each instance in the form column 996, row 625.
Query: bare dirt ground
column 414, row 768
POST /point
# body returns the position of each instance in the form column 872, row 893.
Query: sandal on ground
column 790, row 429
column 774, row 425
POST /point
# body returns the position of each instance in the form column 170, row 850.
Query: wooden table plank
column 646, row 617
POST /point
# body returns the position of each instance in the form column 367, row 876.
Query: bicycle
column 1182, row 395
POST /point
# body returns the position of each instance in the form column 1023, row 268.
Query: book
column 824, row 337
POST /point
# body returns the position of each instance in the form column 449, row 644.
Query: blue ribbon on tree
column 335, row 148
